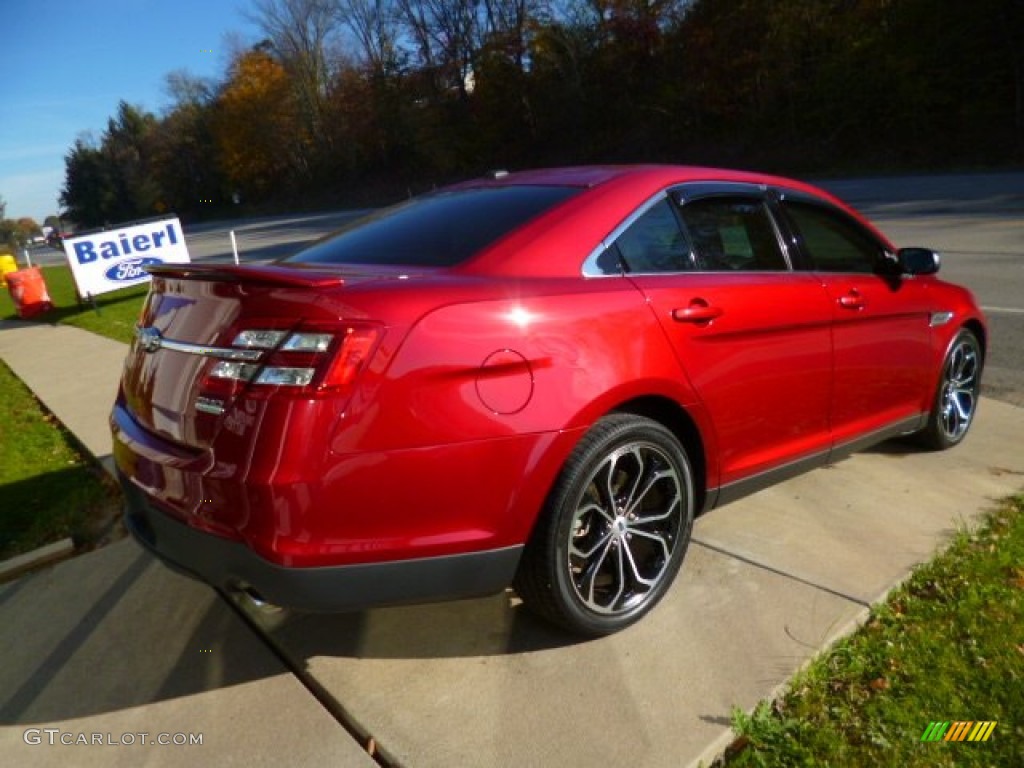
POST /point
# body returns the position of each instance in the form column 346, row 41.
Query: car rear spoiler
column 297, row 277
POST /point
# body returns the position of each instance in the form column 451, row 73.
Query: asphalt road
column 262, row 239
column 975, row 220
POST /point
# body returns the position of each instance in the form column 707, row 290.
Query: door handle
column 699, row 311
column 852, row 300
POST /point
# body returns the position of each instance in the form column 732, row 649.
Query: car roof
column 557, row 242
column 595, row 175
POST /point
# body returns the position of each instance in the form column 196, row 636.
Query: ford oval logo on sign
column 130, row 270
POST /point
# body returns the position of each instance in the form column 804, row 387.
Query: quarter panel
column 560, row 347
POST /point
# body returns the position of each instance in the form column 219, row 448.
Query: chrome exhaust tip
column 248, row 597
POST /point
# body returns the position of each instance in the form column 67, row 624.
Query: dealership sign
column 117, row 258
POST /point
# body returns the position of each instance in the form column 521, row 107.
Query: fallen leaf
column 737, row 746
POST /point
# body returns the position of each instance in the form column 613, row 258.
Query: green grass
column 947, row 646
column 117, row 314
column 48, row 488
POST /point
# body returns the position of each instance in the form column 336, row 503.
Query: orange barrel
column 28, row 290
column 7, row 265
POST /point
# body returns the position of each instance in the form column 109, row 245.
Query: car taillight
column 351, row 357
column 324, row 360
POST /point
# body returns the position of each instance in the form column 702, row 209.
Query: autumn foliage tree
column 15, row 233
column 261, row 142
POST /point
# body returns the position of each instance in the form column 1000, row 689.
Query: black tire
column 614, row 530
column 956, row 398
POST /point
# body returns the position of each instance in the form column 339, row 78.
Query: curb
column 37, row 558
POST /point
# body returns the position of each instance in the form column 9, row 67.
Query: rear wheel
column 614, row 530
column 956, row 399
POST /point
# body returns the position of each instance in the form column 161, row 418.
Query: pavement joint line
column 779, row 572
column 360, row 734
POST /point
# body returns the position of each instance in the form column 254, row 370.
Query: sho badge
column 209, row 405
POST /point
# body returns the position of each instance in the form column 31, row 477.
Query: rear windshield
column 438, row 230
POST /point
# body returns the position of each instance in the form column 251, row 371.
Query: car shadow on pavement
column 897, row 447
column 114, row 630
column 490, row 626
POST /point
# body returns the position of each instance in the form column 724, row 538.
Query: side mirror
column 918, row 261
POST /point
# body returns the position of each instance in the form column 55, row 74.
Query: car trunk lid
column 209, row 334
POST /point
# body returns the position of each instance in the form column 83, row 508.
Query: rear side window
column 439, row 230
column 733, row 234
column 834, row 243
column 654, row 242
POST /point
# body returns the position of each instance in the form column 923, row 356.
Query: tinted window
column 834, row 243
column 733, row 234
column 654, row 243
column 438, row 230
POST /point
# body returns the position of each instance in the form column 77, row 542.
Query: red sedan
column 535, row 379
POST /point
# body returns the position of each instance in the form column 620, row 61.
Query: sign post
column 116, row 258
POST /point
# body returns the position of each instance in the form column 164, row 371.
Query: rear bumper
column 227, row 564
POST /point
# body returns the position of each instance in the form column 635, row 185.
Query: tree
column 88, row 192
column 185, row 151
column 445, row 33
column 303, row 36
column 14, row 234
column 260, row 142
column 429, row 90
column 375, row 26
column 28, row 227
column 188, row 90
column 129, row 147
column 115, row 180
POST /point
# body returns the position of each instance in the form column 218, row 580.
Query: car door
column 881, row 332
column 751, row 334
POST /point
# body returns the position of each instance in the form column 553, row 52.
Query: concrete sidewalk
column 113, row 643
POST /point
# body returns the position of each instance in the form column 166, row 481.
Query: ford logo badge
column 149, row 339
column 129, row 270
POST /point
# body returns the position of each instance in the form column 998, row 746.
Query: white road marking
column 1004, row 310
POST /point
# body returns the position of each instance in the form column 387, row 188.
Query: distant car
column 536, row 379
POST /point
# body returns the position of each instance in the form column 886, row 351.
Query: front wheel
column 614, row 530
column 956, row 399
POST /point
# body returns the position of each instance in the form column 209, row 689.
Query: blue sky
column 67, row 63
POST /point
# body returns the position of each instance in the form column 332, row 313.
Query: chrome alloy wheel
column 959, row 389
column 626, row 525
